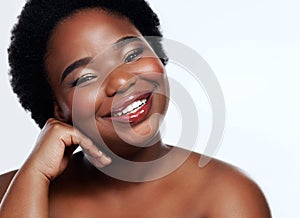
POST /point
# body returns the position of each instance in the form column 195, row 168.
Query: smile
column 133, row 110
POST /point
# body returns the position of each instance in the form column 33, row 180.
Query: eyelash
column 82, row 79
column 133, row 55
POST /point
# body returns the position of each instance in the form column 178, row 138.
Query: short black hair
column 30, row 37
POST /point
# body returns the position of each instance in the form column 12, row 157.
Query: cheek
column 83, row 104
column 151, row 65
column 152, row 69
column 155, row 71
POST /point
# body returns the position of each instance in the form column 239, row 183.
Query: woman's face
column 106, row 79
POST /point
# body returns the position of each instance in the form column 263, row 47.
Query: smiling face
column 106, row 79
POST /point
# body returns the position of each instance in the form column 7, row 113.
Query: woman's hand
column 28, row 193
column 55, row 145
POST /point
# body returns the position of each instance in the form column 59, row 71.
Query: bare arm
column 5, row 180
column 27, row 195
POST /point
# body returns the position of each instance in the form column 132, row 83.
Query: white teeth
column 133, row 107
column 135, row 104
column 130, row 107
column 125, row 111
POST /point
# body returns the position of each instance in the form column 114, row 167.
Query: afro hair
column 30, row 37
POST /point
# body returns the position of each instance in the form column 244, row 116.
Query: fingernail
column 104, row 159
column 107, row 159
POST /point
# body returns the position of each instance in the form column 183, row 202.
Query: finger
column 99, row 160
column 104, row 158
column 90, row 148
column 70, row 136
column 94, row 162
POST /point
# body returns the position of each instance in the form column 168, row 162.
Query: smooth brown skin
column 53, row 182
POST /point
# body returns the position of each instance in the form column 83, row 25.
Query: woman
column 91, row 79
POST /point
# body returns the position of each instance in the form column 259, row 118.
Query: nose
column 119, row 81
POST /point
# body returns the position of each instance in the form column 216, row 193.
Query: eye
column 133, row 55
column 83, row 79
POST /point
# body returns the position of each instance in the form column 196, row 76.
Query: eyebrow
column 125, row 40
column 79, row 63
column 85, row 61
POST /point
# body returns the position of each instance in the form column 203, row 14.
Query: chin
column 144, row 134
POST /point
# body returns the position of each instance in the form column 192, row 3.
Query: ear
column 58, row 113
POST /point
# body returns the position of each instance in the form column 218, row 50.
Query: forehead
column 91, row 24
column 85, row 33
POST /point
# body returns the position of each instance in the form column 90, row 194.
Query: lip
column 136, row 116
column 124, row 102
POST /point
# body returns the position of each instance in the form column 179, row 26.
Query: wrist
column 34, row 173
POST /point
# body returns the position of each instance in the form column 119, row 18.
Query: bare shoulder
column 228, row 191
column 5, row 180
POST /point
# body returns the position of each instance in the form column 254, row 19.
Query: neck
column 138, row 163
column 122, row 171
column 148, row 151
